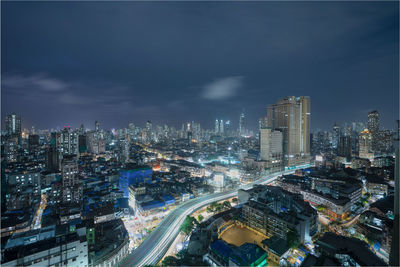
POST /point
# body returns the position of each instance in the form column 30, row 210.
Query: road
column 157, row 243
column 37, row 222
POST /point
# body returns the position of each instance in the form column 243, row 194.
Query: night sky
column 120, row 62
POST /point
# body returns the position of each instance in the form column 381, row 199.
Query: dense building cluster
column 82, row 197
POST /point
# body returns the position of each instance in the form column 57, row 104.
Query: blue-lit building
column 224, row 254
column 168, row 199
column 150, row 207
column 133, row 175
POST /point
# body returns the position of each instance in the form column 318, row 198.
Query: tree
column 292, row 238
column 227, row 204
column 188, row 224
column 200, row 217
column 213, row 206
column 182, row 254
column 218, row 208
column 170, row 261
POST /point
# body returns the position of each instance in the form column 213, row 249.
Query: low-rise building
column 49, row 246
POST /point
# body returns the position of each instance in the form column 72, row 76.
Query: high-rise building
column 336, row 135
column 13, row 124
column 67, row 142
column 262, row 123
column 227, row 127
column 385, row 141
column 82, row 129
column 69, row 172
column 149, row 130
column 373, row 128
column 96, row 126
column 221, row 126
column 271, row 149
column 241, row 124
column 365, row 140
column 344, row 147
column 216, row 126
column 82, row 143
column 33, row 141
column 291, row 115
column 52, row 159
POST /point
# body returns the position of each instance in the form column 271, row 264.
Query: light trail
column 159, row 240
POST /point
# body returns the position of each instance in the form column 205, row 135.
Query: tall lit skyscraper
column 373, row 127
column 291, row 115
column 221, row 126
column 13, row 124
column 227, row 127
column 271, row 148
column 216, row 126
column 96, row 126
column 241, row 124
column 336, row 136
column 373, row 121
column 67, row 142
column 365, row 143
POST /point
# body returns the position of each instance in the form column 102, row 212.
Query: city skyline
column 135, row 68
column 200, row 133
column 92, row 125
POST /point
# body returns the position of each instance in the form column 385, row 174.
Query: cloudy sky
column 77, row 62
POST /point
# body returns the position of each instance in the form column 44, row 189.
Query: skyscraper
column 216, row 126
column 241, row 124
column 67, row 142
column 291, row 115
column 373, row 127
column 271, row 149
column 69, row 172
column 227, row 127
column 13, row 124
column 344, row 147
column 336, row 136
column 365, row 140
column 96, row 126
column 221, row 126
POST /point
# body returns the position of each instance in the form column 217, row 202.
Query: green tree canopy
column 170, row 261
column 227, row 204
column 188, row 224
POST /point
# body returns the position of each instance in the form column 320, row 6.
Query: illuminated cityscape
column 200, row 134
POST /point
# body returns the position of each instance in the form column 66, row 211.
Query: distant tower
column 13, row 124
column 373, row 127
column 227, row 127
column 221, row 126
column 365, row 143
column 96, row 126
column 82, row 129
column 216, row 126
column 336, row 136
column 241, row 123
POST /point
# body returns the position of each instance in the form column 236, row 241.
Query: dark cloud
column 170, row 62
